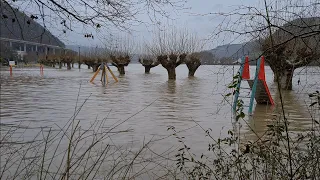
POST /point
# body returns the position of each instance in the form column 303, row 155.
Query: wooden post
column 236, row 95
column 105, row 69
column 95, row 74
column 114, row 77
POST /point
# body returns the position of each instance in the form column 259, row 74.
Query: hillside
column 15, row 24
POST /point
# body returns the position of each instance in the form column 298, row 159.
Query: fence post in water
column 41, row 69
column 10, row 70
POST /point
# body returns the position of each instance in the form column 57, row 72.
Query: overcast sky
column 195, row 17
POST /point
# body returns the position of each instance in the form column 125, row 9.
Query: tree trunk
column 172, row 73
column 285, row 79
column 88, row 66
column 284, row 73
column 60, row 65
column 95, row 67
column 72, row 65
column 79, row 65
column 64, row 64
column 147, row 69
column 53, row 65
column 68, row 66
column 192, row 69
column 191, row 72
column 121, row 69
column 193, row 66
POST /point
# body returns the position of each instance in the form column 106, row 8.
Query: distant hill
column 228, row 54
column 235, row 50
column 15, row 24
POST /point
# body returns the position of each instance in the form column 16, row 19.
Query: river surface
column 40, row 101
column 146, row 104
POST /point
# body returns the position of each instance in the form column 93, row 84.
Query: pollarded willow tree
column 286, row 31
column 68, row 57
column 93, row 58
column 147, row 59
column 294, row 45
column 172, row 48
column 120, row 60
column 119, row 50
column 148, row 62
column 193, row 63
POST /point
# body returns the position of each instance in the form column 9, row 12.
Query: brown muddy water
column 147, row 104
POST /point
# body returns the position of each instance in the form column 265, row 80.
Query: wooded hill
column 15, row 24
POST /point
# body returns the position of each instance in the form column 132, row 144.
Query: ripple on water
column 148, row 101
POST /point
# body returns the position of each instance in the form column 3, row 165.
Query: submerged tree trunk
column 172, row 73
column 95, row 67
column 147, row 69
column 121, row 69
column 191, row 72
column 284, row 73
column 68, row 66
column 88, row 66
column 193, row 66
column 60, row 65
column 72, row 65
column 79, row 65
column 285, row 78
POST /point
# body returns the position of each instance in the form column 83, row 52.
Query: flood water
column 39, row 101
column 147, row 104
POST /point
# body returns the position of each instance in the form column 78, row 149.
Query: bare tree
column 148, row 62
column 193, row 63
column 93, row 58
column 172, row 47
column 68, row 57
column 288, row 32
column 294, row 45
column 119, row 50
column 147, row 59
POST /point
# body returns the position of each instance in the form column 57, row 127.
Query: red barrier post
column 10, row 70
column 262, row 75
column 246, row 71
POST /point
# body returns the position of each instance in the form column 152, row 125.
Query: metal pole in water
column 79, row 58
